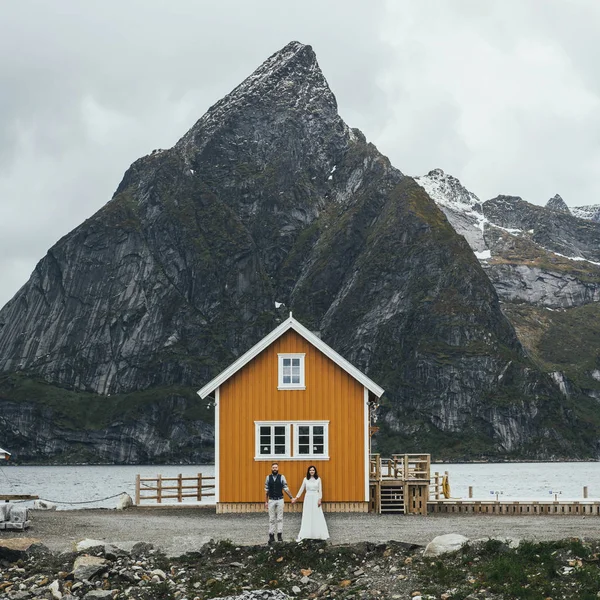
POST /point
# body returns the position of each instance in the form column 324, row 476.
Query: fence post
column 137, row 489
column 199, row 487
column 179, row 488
column 437, row 485
column 585, row 491
column 159, row 489
column 470, row 491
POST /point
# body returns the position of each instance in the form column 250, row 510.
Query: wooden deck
column 400, row 484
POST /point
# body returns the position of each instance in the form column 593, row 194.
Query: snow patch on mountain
column 589, row 213
column 462, row 208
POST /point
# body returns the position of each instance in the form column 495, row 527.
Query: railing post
column 137, row 489
column 179, row 487
column 437, row 485
column 199, row 487
column 159, row 489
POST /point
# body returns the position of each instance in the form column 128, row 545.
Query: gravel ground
column 176, row 531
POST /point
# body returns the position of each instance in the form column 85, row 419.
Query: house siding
column 251, row 395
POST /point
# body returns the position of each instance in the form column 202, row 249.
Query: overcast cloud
column 503, row 94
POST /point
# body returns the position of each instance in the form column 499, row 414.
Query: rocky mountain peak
column 289, row 80
column 447, row 190
column 558, row 204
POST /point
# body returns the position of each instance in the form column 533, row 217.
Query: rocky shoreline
column 490, row 569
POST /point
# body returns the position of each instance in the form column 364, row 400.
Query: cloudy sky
column 503, row 94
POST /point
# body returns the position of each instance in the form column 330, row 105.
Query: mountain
column 270, row 203
column 558, row 204
column 591, row 212
column 544, row 263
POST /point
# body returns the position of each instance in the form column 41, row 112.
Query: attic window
column 291, row 372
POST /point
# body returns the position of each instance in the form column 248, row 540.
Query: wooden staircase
column 392, row 498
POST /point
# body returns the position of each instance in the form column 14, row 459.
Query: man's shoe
column 271, row 538
column 279, row 537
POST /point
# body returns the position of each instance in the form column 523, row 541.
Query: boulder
column 43, row 505
column 86, row 567
column 18, row 548
column 17, row 514
column 124, row 502
column 443, row 544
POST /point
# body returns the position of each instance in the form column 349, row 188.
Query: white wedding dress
column 313, row 525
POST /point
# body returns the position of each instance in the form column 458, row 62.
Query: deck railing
column 400, row 466
column 173, row 488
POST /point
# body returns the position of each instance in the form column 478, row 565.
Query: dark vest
column 275, row 487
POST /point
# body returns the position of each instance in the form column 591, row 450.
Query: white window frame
column 291, row 450
column 291, row 386
column 272, row 457
column 311, row 424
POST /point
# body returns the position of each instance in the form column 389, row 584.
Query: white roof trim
column 290, row 323
column 4, row 452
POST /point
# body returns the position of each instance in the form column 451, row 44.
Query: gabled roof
column 288, row 324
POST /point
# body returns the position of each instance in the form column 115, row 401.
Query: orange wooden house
column 292, row 399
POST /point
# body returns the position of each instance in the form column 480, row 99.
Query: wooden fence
column 173, row 488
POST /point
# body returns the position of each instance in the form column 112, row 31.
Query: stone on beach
column 54, row 588
column 43, row 505
column 124, row 502
column 443, row 544
column 86, row 566
column 17, row 548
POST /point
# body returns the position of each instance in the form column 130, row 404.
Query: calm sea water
column 91, row 484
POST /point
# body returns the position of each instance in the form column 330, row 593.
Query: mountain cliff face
column 270, row 200
column 544, row 264
column 558, row 204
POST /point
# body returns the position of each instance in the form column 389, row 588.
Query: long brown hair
column 308, row 472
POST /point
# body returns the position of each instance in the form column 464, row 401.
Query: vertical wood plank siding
column 331, row 395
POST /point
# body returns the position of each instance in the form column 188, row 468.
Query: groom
column 275, row 485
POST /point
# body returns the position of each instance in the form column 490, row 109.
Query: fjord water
column 515, row 481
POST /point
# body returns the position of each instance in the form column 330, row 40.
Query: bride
column 313, row 521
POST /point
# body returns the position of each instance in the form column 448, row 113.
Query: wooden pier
column 404, row 484
column 515, row 507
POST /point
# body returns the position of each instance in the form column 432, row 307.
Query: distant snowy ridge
column 590, row 213
column 469, row 217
